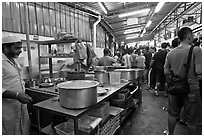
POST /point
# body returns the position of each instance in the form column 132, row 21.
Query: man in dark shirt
column 159, row 59
column 152, row 76
column 148, row 56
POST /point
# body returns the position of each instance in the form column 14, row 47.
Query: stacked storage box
column 86, row 125
column 101, row 111
column 111, row 126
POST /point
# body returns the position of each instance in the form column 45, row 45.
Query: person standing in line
column 127, row 59
column 148, row 56
column 159, row 59
column 175, row 43
column 15, row 118
column 106, row 60
column 140, row 60
column 133, row 56
column 152, row 75
column 191, row 103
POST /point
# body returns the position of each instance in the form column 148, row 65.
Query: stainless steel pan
column 78, row 94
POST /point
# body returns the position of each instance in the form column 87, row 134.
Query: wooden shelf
column 50, row 56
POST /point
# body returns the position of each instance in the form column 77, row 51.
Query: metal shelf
column 50, row 56
column 124, row 118
column 50, row 42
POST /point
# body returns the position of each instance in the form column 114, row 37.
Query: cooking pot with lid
column 78, row 94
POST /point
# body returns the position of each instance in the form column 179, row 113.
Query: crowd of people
column 171, row 57
column 159, row 66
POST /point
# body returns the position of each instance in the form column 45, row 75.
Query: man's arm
column 20, row 96
column 198, row 60
column 167, row 71
column 113, row 61
column 8, row 94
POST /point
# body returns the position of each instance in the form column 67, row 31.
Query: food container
column 64, row 129
column 100, row 111
column 127, row 74
column 102, row 77
column 78, row 94
column 86, row 123
column 138, row 73
column 114, row 77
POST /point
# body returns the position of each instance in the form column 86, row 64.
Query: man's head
column 11, row 46
column 106, row 52
column 138, row 52
column 175, row 42
column 164, row 45
column 147, row 48
column 185, row 34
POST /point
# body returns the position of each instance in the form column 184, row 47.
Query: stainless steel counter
column 53, row 105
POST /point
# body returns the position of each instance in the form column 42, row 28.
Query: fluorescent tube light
column 102, row 7
column 132, row 37
column 131, row 30
column 144, row 31
column 133, row 13
column 132, row 21
column 148, row 23
column 158, row 7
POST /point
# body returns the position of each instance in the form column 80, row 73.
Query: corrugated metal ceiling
column 119, row 25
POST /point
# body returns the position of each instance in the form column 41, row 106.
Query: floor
column 151, row 118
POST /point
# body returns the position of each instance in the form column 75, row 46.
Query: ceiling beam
column 122, row 34
column 146, row 37
column 126, row 27
column 75, row 6
column 169, row 14
column 132, row 8
column 121, row 20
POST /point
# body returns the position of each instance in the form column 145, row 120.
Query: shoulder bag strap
column 188, row 61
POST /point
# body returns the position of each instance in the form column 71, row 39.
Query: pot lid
column 126, row 70
column 78, row 84
column 138, row 69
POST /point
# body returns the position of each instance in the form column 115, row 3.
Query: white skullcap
column 10, row 39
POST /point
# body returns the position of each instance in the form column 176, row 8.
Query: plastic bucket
column 114, row 77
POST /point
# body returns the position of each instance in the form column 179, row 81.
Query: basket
column 64, row 129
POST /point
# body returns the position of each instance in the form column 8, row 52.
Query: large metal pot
column 127, row 74
column 75, row 75
column 78, row 94
column 138, row 72
column 102, row 77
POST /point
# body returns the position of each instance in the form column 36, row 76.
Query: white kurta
column 127, row 59
column 15, row 119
